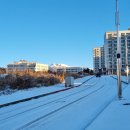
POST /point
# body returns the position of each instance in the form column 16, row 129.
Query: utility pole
column 118, row 54
column 112, row 58
column 127, row 67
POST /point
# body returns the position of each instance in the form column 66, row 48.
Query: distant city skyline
column 56, row 31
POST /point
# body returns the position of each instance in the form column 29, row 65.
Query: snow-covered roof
column 59, row 65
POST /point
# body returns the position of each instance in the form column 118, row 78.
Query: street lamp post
column 118, row 54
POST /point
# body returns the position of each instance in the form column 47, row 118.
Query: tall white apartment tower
column 110, row 50
column 98, row 59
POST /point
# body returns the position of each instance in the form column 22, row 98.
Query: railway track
column 41, row 104
column 42, row 95
column 50, row 114
column 37, row 102
column 51, row 109
column 105, row 106
column 55, row 111
column 54, row 103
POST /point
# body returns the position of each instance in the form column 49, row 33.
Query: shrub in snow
column 24, row 80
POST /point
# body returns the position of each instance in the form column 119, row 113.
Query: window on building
column 109, row 36
column 128, row 34
column 109, row 41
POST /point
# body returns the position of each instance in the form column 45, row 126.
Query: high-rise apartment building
column 110, row 49
column 106, row 57
column 98, row 59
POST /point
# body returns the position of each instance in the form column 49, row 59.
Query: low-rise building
column 74, row 69
column 61, row 68
column 24, row 65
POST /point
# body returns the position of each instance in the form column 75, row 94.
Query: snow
column 54, row 67
column 116, row 116
column 92, row 106
column 59, row 65
column 22, row 94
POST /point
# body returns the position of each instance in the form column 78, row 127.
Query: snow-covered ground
column 22, row 94
column 116, row 116
column 92, row 106
column 123, row 78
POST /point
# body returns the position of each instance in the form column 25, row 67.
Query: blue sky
column 57, row 31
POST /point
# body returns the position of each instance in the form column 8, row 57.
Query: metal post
column 118, row 54
column 112, row 59
column 127, row 67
